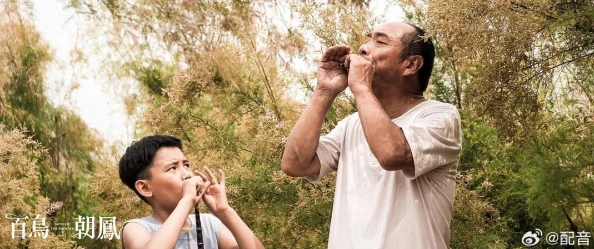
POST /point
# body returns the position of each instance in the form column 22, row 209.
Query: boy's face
column 170, row 167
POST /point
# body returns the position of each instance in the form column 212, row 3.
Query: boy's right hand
column 193, row 188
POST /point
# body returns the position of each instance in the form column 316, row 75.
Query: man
column 396, row 158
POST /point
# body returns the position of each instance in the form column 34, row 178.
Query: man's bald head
column 414, row 42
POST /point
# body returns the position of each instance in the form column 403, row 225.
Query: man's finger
column 335, row 53
column 347, row 60
column 343, row 58
column 336, row 50
column 341, row 52
column 327, row 55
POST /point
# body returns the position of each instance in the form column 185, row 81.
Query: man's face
column 170, row 167
column 384, row 47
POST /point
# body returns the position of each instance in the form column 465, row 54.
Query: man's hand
column 331, row 76
column 215, row 196
column 361, row 73
column 193, row 188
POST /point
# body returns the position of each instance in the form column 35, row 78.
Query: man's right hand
column 331, row 76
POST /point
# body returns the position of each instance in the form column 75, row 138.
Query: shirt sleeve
column 435, row 140
column 328, row 151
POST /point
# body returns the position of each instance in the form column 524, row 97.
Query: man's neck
column 397, row 101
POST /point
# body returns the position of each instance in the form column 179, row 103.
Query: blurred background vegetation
column 237, row 76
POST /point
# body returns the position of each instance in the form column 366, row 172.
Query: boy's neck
column 161, row 215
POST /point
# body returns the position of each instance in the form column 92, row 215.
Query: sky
column 80, row 88
column 93, row 99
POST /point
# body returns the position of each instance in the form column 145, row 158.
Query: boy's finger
column 201, row 175
column 222, row 176
column 203, row 188
column 197, row 173
column 205, row 185
column 198, row 179
column 213, row 179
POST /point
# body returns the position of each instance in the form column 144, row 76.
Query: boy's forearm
column 168, row 233
column 246, row 239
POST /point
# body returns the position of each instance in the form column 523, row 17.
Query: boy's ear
column 143, row 188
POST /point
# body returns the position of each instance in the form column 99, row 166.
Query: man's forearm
column 303, row 139
column 386, row 140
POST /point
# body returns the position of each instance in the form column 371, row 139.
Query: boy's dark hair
column 415, row 43
column 136, row 162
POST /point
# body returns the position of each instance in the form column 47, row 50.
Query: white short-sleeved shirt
column 376, row 209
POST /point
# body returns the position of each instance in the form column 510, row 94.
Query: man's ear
column 144, row 188
column 413, row 64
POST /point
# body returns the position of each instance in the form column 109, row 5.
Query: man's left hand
column 361, row 73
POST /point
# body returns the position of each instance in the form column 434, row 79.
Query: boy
column 158, row 172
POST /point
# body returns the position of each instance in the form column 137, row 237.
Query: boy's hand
column 215, row 196
column 193, row 188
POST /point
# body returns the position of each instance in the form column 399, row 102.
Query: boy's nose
column 187, row 173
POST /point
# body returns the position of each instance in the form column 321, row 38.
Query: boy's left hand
column 215, row 196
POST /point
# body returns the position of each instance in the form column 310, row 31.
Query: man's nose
column 363, row 50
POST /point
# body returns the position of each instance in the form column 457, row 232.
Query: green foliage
column 69, row 145
column 216, row 75
column 20, row 195
column 155, row 77
column 476, row 222
column 561, row 162
column 520, row 72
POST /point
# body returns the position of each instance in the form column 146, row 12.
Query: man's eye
column 380, row 42
column 187, row 165
column 172, row 168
